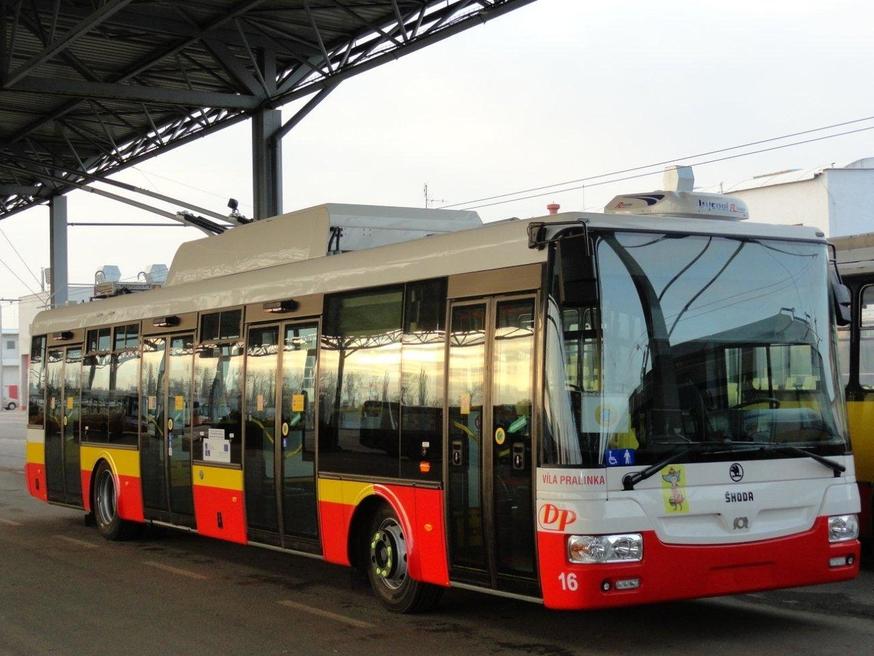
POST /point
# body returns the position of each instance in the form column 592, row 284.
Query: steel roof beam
column 106, row 90
column 430, row 37
column 291, row 123
column 147, row 62
column 197, row 48
column 19, row 190
column 231, row 64
column 83, row 27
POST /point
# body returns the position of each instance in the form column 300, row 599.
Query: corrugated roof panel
column 67, row 95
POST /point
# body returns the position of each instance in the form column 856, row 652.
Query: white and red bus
column 584, row 410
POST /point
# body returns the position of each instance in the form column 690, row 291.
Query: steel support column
column 58, row 249
column 267, row 163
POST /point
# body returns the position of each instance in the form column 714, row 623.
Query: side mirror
column 843, row 309
column 841, row 299
column 575, row 266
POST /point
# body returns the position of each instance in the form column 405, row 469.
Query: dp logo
column 553, row 518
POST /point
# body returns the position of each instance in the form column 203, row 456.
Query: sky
column 554, row 91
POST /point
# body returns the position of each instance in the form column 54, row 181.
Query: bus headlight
column 842, row 528
column 621, row 548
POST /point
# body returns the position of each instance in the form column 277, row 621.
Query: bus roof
column 492, row 246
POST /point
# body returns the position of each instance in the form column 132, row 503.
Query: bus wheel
column 386, row 561
column 105, row 505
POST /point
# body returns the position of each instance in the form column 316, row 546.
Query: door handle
column 518, row 452
column 456, row 456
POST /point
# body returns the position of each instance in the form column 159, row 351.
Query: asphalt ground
column 65, row 590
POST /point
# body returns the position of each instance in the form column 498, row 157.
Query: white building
column 10, row 392
column 839, row 200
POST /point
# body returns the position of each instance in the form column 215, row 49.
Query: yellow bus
column 855, row 257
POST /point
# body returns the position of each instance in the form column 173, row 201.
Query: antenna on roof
column 429, row 200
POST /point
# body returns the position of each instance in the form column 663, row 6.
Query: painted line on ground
column 10, row 522
column 351, row 621
column 175, row 570
column 80, row 543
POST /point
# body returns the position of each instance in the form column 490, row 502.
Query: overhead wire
column 649, row 173
column 663, row 162
column 23, row 261
column 18, row 278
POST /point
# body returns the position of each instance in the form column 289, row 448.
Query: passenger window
column 423, row 347
column 36, row 382
column 220, row 325
column 866, row 338
column 95, row 397
column 218, row 395
column 359, row 383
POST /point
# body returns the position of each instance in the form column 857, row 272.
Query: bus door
column 63, row 374
column 70, row 421
column 165, row 449
column 279, row 454
column 490, row 387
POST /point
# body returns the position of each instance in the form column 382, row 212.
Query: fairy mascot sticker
column 674, row 489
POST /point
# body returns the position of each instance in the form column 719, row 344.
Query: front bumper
column 669, row 572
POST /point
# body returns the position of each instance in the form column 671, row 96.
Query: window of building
column 10, row 344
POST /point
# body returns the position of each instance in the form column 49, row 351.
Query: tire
column 105, row 506
column 11, row 405
column 385, row 558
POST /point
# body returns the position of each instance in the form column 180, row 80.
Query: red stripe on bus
column 421, row 513
column 670, row 572
column 220, row 513
column 36, row 480
column 334, row 521
column 130, row 498
column 86, row 490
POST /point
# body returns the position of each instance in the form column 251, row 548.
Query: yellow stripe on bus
column 125, row 462
column 221, row 477
column 345, row 492
column 36, row 453
column 861, row 419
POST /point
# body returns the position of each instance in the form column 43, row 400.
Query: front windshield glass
column 702, row 339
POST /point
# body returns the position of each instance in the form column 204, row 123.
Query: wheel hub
column 388, row 554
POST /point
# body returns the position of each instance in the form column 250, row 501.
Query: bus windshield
column 694, row 339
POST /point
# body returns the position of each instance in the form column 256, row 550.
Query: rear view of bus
column 695, row 438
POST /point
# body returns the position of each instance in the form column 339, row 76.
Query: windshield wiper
column 729, row 446
column 630, row 480
column 835, row 466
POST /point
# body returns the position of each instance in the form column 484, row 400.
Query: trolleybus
column 583, row 410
